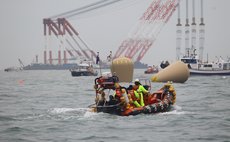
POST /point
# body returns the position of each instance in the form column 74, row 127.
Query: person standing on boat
column 139, row 91
column 109, row 58
column 97, row 58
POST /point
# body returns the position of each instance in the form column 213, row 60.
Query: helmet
column 137, row 80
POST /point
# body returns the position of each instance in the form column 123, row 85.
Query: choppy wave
column 176, row 110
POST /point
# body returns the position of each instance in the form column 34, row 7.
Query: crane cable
column 84, row 9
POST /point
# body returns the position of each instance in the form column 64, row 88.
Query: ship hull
column 209, row 73
column 83, row 73
column 49, row 67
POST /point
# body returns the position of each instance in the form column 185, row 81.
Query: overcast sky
column 21, row 28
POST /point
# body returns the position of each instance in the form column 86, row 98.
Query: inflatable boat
column 105, row 101
column 151, row 70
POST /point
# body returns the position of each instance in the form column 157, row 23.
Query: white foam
column 224, row 77
column 176, row 107
column 65, row 110
column 174, row 112
column 89, row 114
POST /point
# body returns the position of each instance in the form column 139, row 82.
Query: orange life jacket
column 134, row 98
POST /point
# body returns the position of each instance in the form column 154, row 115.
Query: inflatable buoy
column 123, row 68
column 177, row 72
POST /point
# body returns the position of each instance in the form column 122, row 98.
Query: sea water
column 52, row 106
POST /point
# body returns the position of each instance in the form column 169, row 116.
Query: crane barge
column 71, row 44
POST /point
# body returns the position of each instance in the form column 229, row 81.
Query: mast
column 193, row 34
column 201, row 34
column 178, row 33
column 187, row 32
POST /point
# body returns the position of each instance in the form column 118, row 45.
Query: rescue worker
column 121, row 95
column 132, row 98
column 139, row 91
column 117, row 88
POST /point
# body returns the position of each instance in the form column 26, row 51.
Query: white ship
column 219, row 67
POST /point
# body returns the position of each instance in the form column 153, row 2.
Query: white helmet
column 137, row 80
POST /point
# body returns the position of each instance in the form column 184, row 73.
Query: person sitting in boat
column 140, row 91
column 132, row 98
column 100, row 99
column 121, row 95
column 112, row 100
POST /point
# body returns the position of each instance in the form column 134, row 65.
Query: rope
column 85, row 9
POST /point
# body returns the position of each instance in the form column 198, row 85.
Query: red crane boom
column 150, row 25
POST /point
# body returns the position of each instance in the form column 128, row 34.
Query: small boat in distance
column 151, row 70
column 220, row 67
column 10, row 69
column 164, row 64
column 83, row 69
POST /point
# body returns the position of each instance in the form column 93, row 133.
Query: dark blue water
column 51, row 106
